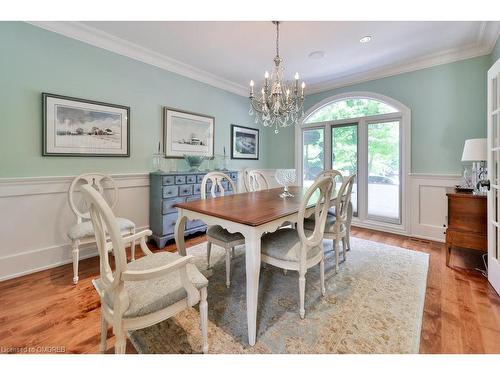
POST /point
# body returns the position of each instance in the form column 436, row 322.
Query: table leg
column 179, row 234
column 252, row 263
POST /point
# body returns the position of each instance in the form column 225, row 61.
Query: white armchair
column 83, row 232
column 145, row 291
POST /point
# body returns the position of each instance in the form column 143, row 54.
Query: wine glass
column 285, row 177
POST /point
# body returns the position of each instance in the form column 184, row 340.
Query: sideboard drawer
column 468, row 240
column 169, row 223
column 168, row 205
column 170, row 191
column 234, row 176
column 167, row 180
column 180, row 180
column 199, row 178
column 197, row 189
column 185, row 190
column 191, row 179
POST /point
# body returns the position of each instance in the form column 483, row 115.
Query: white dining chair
column 143, row 292
column 294, row 249
column 257, row 181
column 336, row 225
column 215, row 233
column 82, row 232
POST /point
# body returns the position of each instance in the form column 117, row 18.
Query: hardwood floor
column 45, row 311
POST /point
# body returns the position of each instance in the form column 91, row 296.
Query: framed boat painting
column 187, row 133
column 244, row 143
column 80, row 127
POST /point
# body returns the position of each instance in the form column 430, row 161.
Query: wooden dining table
column 251, row 214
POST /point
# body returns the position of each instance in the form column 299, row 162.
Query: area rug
column 374, row 304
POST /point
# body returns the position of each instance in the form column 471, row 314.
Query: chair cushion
column 86, row 228
column 221, row 234
column 284, row 244
column 310, row 223
column 148, row 296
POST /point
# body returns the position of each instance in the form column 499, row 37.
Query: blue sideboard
column 169, row 188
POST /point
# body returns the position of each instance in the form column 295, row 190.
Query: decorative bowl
column 194, row 161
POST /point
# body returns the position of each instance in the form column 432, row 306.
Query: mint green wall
column 448, row 104
column 495, row 54
column 33, row 61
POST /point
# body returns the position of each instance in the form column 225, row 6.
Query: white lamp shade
column 475, row 150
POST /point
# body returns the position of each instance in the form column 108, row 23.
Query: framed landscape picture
column 80, row 127
column 186, row 133
column 244, row 143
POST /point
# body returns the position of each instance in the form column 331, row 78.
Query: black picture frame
column 45, row 112
column 168, row 112
column 238, row 155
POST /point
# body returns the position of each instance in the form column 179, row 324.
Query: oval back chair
column 83, row 232
column 300, row 249
column 215, row 233
column 143, row 292
column 215, row 179
column 257, row 181
column 338, row 228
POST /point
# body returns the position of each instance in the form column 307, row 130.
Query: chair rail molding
column 36, row 216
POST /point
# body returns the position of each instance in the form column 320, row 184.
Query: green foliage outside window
column 350, row 108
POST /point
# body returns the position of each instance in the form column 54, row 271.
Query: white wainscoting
column 35, row 217
column 428, row 207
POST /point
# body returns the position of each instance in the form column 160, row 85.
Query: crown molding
column 429, row 61
column 487, row 35
column 98, row 38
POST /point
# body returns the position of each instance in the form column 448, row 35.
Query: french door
column 371, row 148
column 493, row 109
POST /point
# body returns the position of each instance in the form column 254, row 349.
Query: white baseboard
column 43, row 259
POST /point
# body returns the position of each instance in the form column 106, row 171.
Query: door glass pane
column 384, row 171
column 313, row 154
column 345, row 155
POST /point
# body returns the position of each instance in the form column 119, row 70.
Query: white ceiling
column 229, row 54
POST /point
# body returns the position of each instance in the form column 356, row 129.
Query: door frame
column 404, row 114
column 493, row 107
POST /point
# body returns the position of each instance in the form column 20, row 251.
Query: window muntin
column 350, row 108
column 313, row 154
column 345, row 155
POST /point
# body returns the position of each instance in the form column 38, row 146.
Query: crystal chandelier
column 279, row 104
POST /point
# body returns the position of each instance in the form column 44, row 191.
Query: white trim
column 433, row 202
column 403, row 115
column 38, row 216
column 487, row 35
column 101, row 39
column 16, row 186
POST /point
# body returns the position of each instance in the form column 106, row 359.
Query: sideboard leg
column 448, row 254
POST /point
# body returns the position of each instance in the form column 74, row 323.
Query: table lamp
column 475, row 151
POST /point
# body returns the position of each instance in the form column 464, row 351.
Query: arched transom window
column 350, row 108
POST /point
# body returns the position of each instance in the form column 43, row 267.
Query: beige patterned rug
column 373, row 305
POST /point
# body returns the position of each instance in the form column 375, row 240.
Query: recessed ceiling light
column 365, row 39
column 316, row 55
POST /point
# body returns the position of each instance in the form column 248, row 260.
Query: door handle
column 484, row 183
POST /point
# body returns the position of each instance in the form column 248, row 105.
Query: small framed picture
column 186, row 133
column 244, row 143
column 80, row 127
